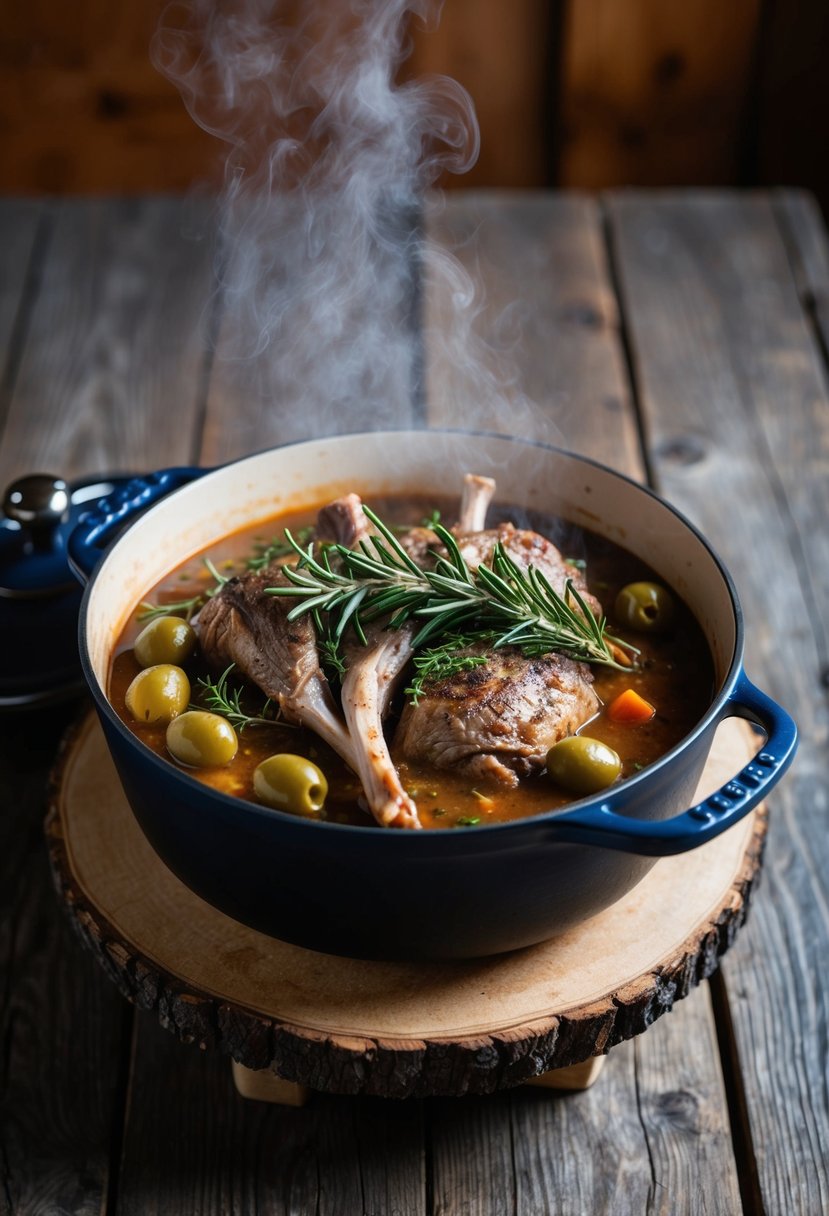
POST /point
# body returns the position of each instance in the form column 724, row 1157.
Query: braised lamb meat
column 498, row 720
column 244, row 625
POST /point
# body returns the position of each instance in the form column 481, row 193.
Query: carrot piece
column 630, row 707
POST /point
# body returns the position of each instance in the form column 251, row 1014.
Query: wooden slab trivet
column 391, row 1029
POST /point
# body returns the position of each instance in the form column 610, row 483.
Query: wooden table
column 681, row 337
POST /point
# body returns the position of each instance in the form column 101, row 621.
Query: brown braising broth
column 675, row 675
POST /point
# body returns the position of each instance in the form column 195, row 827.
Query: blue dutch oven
column 376, row 893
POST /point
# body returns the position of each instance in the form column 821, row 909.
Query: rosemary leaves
column 502, row 602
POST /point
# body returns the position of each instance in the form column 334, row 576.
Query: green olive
column 647, row 607
column 168, row 639
column 158, row 694
column 583, row 765
column 201, row 739
column 290, row 783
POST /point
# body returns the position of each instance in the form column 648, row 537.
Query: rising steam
column 328, row 164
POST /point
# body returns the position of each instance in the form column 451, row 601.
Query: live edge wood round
column 391, row 1029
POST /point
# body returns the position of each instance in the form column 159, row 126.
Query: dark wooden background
column 576, row 93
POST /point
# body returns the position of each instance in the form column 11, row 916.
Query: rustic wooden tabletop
column 679, row 337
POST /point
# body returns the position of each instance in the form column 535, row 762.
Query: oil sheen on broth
column 674, row 674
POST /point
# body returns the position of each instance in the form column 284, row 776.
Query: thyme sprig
column 186, row 608
column 445, row 660
column 380, row 580
column 220, row 698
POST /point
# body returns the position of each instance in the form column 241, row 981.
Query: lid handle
column 39, row 503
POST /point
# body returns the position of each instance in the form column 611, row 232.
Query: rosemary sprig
column 219, row 698
column 185, row 608
column 379, row 579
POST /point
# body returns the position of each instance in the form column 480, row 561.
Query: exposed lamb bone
column 367, row 689
column 475, row 499
column 368, row 685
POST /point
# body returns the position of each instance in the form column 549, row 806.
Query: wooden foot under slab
column 262, row 1085
column 575, row 1076
column 265, row 1086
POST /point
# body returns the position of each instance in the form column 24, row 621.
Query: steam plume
column 329, row 160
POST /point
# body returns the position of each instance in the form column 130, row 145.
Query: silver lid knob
column 38, row 503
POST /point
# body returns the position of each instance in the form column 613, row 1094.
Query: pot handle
column 604, row 826
column 97, row 527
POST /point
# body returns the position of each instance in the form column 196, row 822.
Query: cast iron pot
column 377, row 893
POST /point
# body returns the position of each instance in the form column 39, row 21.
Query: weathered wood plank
column 22, row 237
column 111, row 370
column 536, row 351
column 648, row 1137
column 735, row 397
column 558, row 1164
column 214, row 1151
column 105, row 351
column 804, row 233
column 60, row 1019
column 471, row 1154
column 570, row 386
column 680, row 1099
column 318, row 327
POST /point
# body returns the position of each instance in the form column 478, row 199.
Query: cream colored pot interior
column 405, row 462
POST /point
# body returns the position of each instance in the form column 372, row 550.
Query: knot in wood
column 679, row 1107
column 683, row 450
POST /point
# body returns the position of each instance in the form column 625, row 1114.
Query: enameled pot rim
column 256, row 812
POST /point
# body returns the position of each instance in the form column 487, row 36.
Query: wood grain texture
column 84, row 109
column 60, row 1020
column 339, row 353
column 553, row 1174
column 91, row 392
column 111, row 364
column 23, row 227
column 542, row 326
column 655, row 94
column 735, row 396
column 213, row 1151
column 682, row 1120
column 803, row 230
column 501, row 53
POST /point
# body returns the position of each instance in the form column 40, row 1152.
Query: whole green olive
column 201, row 739
column 168, row 639
column 158, row 694
column 290, row 783
column 583, row 765
column 648, row 607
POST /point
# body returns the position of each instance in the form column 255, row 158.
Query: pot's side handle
column 604, row 826
column 99, row 525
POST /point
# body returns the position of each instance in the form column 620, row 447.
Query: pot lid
column 39, row 596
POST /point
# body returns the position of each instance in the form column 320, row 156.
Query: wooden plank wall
column 655, row 93
column 588, row 94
